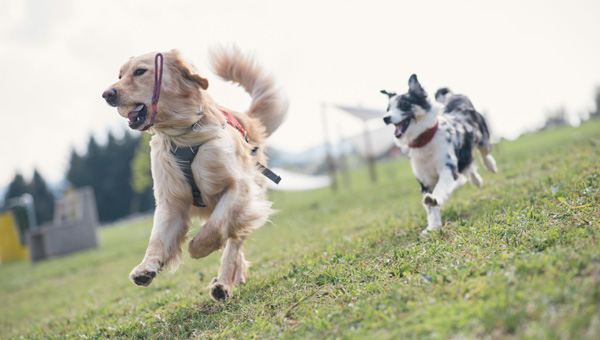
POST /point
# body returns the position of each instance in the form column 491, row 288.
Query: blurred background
column 526, row 65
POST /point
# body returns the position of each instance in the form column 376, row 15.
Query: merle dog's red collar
column 425, row 137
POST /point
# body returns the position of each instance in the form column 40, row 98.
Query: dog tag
column 197, row 127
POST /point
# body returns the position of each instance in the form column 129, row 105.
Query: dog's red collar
column 234, row 122
column 425, row 137
column 158, row 71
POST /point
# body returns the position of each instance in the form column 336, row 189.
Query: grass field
column 519, row 258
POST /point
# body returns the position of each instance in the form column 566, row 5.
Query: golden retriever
column 225, row 168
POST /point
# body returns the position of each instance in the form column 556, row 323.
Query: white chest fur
column 428, row 161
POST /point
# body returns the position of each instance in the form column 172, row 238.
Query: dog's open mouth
column 137, row 116
column 401, row 127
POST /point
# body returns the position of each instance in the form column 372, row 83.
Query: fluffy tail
column 269, row 104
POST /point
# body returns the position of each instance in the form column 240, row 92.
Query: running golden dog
column 225, row 169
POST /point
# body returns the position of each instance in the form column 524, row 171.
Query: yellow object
column 10, row 245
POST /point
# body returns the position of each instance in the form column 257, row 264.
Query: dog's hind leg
column 486, row 158
column 474, row 176
column 209, row 239
column 216, row 230
column 231, row 272
column 240, row 210
column 168, row 232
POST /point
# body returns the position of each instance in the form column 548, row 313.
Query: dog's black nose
column 110, row 96
column 387, row 120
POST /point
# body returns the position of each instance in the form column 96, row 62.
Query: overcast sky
column 515, row 60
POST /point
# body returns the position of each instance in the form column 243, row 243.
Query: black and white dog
column 440, row 137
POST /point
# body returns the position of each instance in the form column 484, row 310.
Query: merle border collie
column 440, row 137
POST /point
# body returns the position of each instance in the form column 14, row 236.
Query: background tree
column 16, row 188
column 555, row 118
column 596, row 113
column 107, row 170
column 141, row 176
column 43, row 198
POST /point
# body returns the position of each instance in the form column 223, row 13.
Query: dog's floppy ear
column 414, row 86
column 187, row 74
column 389, row 94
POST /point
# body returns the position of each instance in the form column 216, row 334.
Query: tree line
column 119, row 172
column 560, row 116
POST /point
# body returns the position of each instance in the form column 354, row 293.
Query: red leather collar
column 425, row 137
column 234, row 122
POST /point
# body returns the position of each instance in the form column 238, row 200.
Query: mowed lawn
column 518, row 258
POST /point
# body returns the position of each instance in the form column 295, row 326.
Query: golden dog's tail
column 269, row 104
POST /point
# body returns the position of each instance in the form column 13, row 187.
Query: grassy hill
column 519, row 258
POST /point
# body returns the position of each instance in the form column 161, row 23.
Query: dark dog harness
column 185, row 156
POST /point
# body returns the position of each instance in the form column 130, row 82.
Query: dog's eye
column 119, row 76
column 139, row 72
column 404, row 106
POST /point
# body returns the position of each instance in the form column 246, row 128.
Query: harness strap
column 266, row 171
column 269, row 174
column 185, row 156
column 236, row 124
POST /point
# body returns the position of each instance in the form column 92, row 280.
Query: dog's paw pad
column 219, row 291
column 430, row 200
column 143, row 279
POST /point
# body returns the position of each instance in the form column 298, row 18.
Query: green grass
column 519, row 258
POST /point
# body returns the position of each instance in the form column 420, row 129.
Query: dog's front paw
column 219, row 291
column 429, row 230
column 429, row 200
column 143, row 276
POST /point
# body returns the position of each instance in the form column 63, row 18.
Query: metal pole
column 330, row 162
column 343, row 161
column 369, row 150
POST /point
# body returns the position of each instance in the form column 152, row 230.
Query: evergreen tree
column 108, row 170
column 43, row 198
column 596, row 112
column 75, row 173
column 16, row 188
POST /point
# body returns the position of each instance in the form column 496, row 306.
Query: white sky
column 515, row 60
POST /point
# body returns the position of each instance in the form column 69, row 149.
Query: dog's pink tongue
column 398, row 129
column 132, row 115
